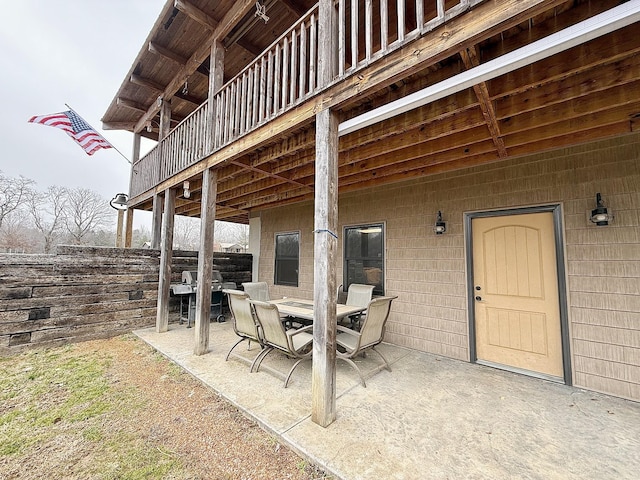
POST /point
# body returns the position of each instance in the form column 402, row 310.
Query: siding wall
column 427, row 272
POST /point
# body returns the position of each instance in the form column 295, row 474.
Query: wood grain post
column 156, row 221
column 323, row 387
column 166, row 254
column 205, row 260
column 216, row 79
column 128, row 232
column 119, row 228
column 135, row 157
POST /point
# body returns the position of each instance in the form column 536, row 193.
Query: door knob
column 478, row 287
column 478, row 298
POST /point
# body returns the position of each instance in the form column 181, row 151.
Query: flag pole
column 112, row 146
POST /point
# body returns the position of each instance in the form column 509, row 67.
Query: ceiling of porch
column 586, row 93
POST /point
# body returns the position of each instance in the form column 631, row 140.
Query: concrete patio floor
column 431, row 417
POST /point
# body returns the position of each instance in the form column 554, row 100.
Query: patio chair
column 257, row 290
column 370, row 335
column 260, row 291
column 244, row 323
column 293, row 343
column 358, row 295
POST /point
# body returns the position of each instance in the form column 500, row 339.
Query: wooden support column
column 156, row 221
column 135, row 156
column 165, row 119
column 323, row 387
column 166, row 254
column 323, row 383
column 216, row 79
column 128, row 232
column 205, row 260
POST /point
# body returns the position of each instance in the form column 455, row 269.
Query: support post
column 205, row 260
column 119, row 228
column 135, row 156
column 165, row 119
column 166, row 254
column 128, row 232
column 156, row 221
column 323, row 386
column 216, row 80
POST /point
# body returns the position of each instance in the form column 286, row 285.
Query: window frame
column 277, row 259
column 381, row 260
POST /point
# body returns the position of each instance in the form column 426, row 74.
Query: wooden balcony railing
column 285, row 75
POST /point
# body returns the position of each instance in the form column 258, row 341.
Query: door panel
column 517, row 310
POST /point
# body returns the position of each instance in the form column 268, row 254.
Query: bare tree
column 15, row 235
column 186, row 233
column 12, row 194
column 232, row 233
column 85, row 211
column 47, row 209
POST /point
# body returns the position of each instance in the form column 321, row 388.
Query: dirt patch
column 140, row 417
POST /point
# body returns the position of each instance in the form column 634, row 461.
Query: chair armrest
column 347, row 330
column 291, row 333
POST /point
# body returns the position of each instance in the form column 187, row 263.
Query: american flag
column 76, row 127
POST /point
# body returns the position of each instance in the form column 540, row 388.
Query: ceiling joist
column 233, row 16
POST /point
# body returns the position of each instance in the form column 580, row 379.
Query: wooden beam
column 166, row 254
column 323, row 380
column 145, row 82
column 131, row 104
column 294, row 8
column 205, row 260
column 618, row 17
column 188, row 98
column 269, row 174
column 196, row 14
column 470, row 60
column 156, row 223
column 232, row 17
column 166, row 53
column 118, row 126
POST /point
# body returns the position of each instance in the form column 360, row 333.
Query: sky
column 75, row 52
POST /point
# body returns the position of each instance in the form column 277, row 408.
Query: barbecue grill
column 187, row 293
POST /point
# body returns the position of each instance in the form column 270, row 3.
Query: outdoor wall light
column 186, row 193
column 599, row 215
column 440, row 227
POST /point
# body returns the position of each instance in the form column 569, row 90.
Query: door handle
column 478, row 298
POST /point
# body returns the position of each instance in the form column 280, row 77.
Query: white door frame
column 556, row 210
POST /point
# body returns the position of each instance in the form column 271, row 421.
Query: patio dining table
column 301, row 308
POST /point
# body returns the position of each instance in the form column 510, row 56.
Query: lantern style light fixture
column 440, row 227
column 600, row 215
column 186, row 193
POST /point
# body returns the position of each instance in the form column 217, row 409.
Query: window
column 287, row 258
column 364, row 256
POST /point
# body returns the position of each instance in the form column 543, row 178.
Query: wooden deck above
column 264, row 141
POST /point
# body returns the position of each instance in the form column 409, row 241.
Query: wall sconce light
column 149, row 127
column 159, row 101
column 440, row 227
column 599, row 215
column 185, row 189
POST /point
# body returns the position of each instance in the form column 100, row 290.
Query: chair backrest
column 257, row 290
column 268, row 317
column 243, row 322
column 359, row 295
column 372, row 329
